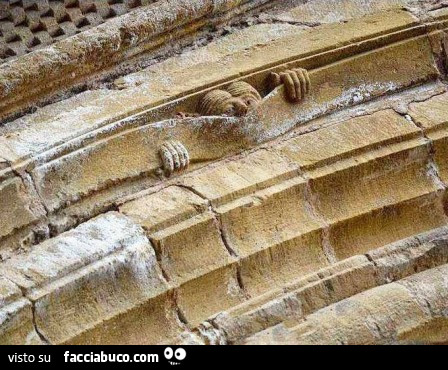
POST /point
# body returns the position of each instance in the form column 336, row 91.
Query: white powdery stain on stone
column 143, row 264
column 8, row 291
column 66, row 125
column 8, row 311
column 351, row 96
column 211, row 335
column 76, row 248
column 216, row 51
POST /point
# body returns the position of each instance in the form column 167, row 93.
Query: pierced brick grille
column 26, row 25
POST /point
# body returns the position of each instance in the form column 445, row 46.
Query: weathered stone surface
column 383, row 315
column 87, row 111
column 191, row 248
column 17, row 207
column 373, row 317
column 240, row 42
column 191, row 251
column 131, row 155
column 270, row 250
column 351, row 81
column 153, row 322
column 351, row 193
column 272, row 243
column 334, row 283
column 430, row 114
column 237, row 178
column 275, row 234
column 77, row 173
column 55, row 19
column 348, row 138
column 92, row 109
column 299, row 299
column 69, row 278
column 235, row 327
column 61, row 65
column 16, row 317
column 59, row 122
column 209, row 294
column 410, row 311
column 430, row 289
column 406, row 257
column 271, row 314
column 321, row 11
column 165, row 208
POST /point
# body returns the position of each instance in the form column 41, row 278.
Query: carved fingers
column 174, row 156
column 296, row 81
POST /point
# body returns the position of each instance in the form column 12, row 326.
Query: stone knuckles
column 240, row 97
column 174, row 156
column 296, row 81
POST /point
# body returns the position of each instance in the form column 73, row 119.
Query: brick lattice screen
column 26, row 25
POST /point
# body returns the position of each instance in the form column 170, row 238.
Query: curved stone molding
column 29, row 25
column 404, row 312
column 68, row 175
column 79, row 268
column 254, row 321
column 131, row 218
column 258, row 255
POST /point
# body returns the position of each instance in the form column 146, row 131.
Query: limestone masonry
column 223, row 172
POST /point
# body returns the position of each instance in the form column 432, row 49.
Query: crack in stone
column 36, row 327
column 179, row 313
column 433, row 171
column 157, row 247
column 216, row 216
column 33, row 310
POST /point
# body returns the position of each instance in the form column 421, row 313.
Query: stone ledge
column 324, row 288
column 72, row 279
column 73, row 171
column 16, row 317
column 203, row 251
column 396, row 313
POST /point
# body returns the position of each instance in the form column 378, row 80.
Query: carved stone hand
column 297, row 83
column 174, row 156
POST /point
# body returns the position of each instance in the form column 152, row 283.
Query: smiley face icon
column 179, row 354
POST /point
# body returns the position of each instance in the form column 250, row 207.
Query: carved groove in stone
column 174, row 156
